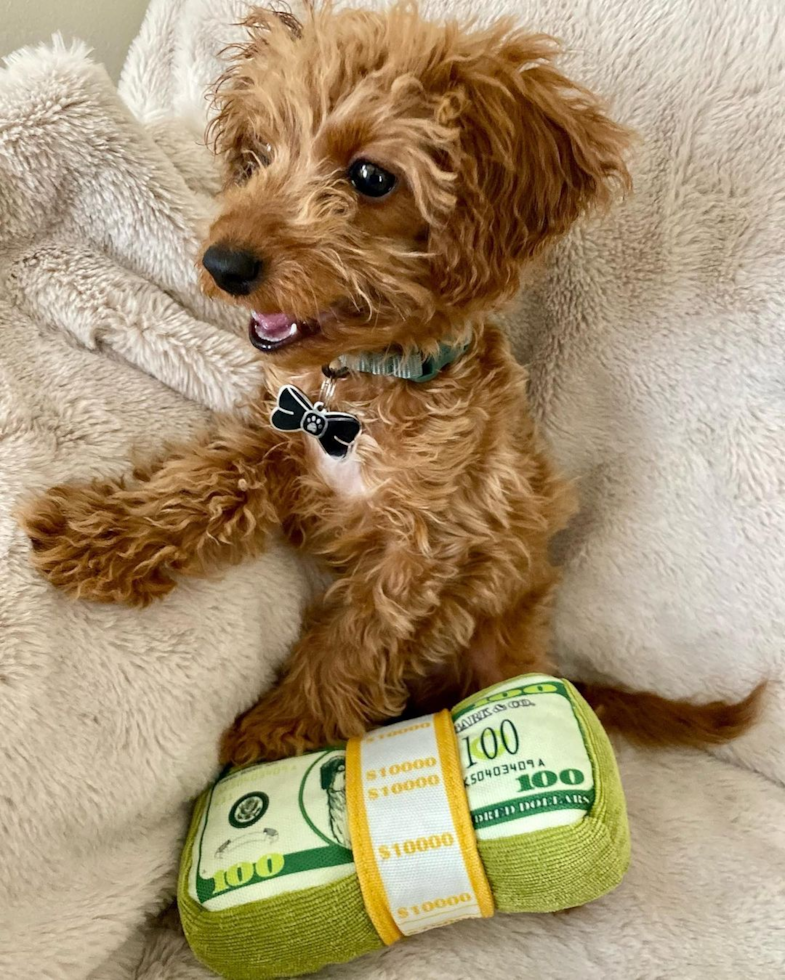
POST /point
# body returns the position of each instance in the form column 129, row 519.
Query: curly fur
column 443, row 578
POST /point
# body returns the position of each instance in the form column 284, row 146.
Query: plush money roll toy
column 510, row 803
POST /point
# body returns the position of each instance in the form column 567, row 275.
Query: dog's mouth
column 274, row 331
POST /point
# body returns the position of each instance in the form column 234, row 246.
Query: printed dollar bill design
column 280, row 827
column 524, row 758
column 271, row 829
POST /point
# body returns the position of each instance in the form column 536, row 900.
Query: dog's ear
column 232, row 129
column 535, row 151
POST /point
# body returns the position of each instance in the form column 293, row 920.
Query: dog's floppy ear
column 535, row 151
column 231, row 130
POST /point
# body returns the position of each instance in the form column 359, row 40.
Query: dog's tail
column 652, row 720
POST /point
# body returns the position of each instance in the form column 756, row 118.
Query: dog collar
column 417, row 367
column 337, row 431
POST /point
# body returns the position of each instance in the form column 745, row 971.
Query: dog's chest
column 343, row 476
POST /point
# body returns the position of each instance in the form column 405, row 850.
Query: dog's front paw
column 80, row 547
column 60, row 553
column 269, row 731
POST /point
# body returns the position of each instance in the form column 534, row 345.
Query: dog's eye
column 370, row 180
column 252, row 160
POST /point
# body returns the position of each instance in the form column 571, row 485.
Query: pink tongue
column 274, row 326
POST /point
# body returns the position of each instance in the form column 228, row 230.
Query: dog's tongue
column 275, row 327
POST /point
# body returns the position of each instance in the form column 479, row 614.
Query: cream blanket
column 657, row 370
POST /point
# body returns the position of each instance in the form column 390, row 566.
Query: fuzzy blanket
column 109, row 716
column 655, row 346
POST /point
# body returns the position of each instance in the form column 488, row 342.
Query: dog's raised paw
column 80, row 548
column 44, row 521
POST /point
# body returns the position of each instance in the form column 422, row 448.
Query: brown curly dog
column 389, row 179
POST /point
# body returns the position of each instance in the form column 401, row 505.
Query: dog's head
column 388, row 177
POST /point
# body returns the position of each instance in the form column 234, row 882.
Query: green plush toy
column 509, row 803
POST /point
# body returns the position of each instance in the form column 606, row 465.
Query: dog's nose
column 234, row 270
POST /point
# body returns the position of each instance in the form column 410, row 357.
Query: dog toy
column 510, row 803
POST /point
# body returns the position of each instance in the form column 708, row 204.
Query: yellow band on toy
column 364, row 861
column 459, row 805
column 414, row 846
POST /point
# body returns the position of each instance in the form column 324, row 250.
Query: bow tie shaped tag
column 336, row 431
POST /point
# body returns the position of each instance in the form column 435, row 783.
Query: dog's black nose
column 234, row 270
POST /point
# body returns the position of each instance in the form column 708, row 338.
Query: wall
column 108, row 26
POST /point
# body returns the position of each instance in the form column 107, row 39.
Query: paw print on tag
column 314, row 424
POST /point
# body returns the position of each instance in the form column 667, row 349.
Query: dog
column 390, row 183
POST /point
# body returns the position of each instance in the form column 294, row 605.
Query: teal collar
column 416, row 366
